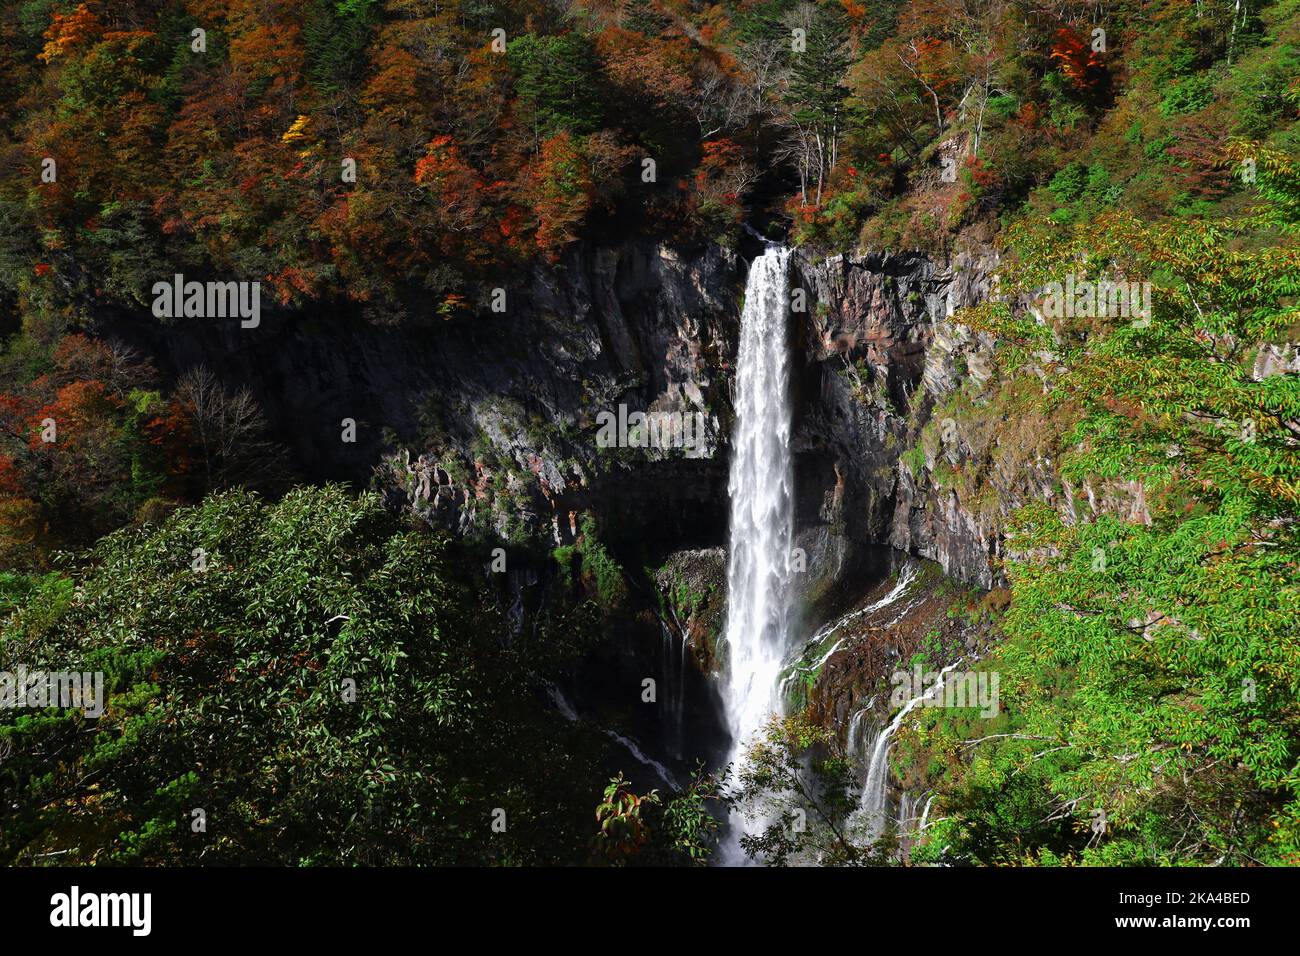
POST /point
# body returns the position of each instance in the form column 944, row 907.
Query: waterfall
column 873, row 805
column 570, row 713
column 762, row 518
column 673, row 657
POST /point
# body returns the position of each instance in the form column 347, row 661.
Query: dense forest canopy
column 363, row 150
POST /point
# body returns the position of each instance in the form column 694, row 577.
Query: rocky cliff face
column 880, row 352
column 487, row 425
column 907, row 436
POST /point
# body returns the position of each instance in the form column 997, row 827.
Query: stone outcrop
column 880, row 350
column 486, row 424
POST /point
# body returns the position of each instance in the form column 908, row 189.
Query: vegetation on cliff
column 1151, row 664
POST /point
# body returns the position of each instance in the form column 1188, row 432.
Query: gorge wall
column 486, row 427
column 880, row 352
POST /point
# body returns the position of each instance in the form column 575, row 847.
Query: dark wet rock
column 923, row 616
column 486, row 424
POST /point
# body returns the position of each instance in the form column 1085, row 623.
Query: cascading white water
column 673, row 655
column 873, row 809
column 570, row 713
column 905, row 579
column 762, row 516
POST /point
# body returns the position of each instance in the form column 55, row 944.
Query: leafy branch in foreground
column 795, row 789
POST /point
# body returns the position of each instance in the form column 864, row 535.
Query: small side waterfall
column 872, row 814
column 570, row 713
column 673, row 657
column 762, row 512
column 905, row 578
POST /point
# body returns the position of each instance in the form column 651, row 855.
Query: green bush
column 1069, row 183
column 327, row 691
column 1188, row 96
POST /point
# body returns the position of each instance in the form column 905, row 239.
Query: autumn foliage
column 69, row 31
column 386, row 152
column 92, row 444
column 1077, row 59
